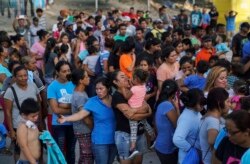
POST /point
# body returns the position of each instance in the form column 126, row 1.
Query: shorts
column 122, row 141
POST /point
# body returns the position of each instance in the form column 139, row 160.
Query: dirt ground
column 88, row 6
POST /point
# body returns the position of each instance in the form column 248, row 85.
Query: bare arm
column 131, row 67
column 8, row 108
column 126, row 93
column 246, row 67
column 214, row 159
column 22, row 139
column 128, row 111
column 14, row 24
column 74, row 117
column 86, row 68
column 56, row 109
column 212, row 134
column 173, row 117
column 105, row 66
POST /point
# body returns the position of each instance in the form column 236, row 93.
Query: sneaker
column 152, row 146
column 133, row 153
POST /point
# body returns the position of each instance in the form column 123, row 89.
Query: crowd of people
column 122, row 83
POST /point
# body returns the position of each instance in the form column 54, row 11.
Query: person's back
column 28, row 133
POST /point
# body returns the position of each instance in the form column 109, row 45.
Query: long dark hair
column 51, row 43
column 168, row 90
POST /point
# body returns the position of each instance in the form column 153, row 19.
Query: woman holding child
column 124, row 113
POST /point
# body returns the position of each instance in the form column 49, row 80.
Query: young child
column 240, row 89
column 3, row 135
column 135, row 97
column 28, row 133
column 235, row 73
column 198, row 80
column 230, row 21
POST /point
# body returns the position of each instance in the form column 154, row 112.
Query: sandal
column 5, row 151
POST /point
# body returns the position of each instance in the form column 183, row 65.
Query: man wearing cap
column 130, row 28
column 157, row 28
column 207, row 51
column 239, row 40
column 54, row 27
column 69, row 30
column 21, row 26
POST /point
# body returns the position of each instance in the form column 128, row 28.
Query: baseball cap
column 68, row 23
column 21, row 17
column 206, row 38
column 158, row 21
column 126, row 19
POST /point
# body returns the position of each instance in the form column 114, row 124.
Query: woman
column 64, row 39
column 186, row 134
column 166, row 116
column 102, row 136
column 169, row 67
column 50, row 59
column 19, row 44
column 59, row 96
column 217, row 77
column 218, row 105
column 123, row 113
column 23, row 90
column 186, row 69
column 38, row 49
column 232, row 147
column 178, row 48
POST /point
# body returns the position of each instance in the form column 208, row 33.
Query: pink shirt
column 138, row 96
column 165, row 72
column 236, row 99
column 39, row 50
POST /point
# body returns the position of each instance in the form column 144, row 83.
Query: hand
column 61, row 119
column 13, row 135
column 175, row 102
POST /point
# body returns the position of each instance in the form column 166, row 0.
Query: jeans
column 104, row 153
column 65, row 139
column 122, row 141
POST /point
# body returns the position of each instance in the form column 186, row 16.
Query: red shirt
column 204, row 54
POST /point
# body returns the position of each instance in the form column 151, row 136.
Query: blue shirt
column 195, row 81
column 104, row 121
column 165, row 129
column 187, row 132
column 206, row 18
column 3, row 134
column 196, row 18
column 4, row 70
column 246, row 52
column 230, row 23
column 62, row 93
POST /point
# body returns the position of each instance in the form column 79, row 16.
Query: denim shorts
column 122, row 141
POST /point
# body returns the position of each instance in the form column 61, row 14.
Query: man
column 69, row 30
column 42, row 18
column 139, row 41
column 239, row 40
column 21, row 26
column 158, row 28
column 207, row 51
column 130, row 31
column 195, row 17
column 122, row 33
column 33, row 31
column 59, row 20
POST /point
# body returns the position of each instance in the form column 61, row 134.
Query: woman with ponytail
column 50, row 59
column 186, row 135
column 166, row 120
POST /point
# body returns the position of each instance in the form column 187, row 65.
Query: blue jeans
column 64, row 135
column 122, row 141
column 104, row 153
